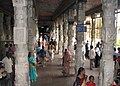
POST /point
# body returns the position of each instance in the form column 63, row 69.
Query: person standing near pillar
column 92, row 57
column 51, row 49
column 66, row 63
column 8, row 67
column 32, row 69
column 81, row 78
column 87, row 50
column 97, row 56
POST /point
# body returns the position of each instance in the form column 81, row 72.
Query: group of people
column 93, row 54
column 52, row 48
column 7, row 66
column 36, row 57
column 81, row 79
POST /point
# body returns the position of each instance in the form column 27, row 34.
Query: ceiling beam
column 65, row 5
column 94, row 10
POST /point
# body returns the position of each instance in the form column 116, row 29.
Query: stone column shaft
column 56, row 35
column 1, row 27
column 31, row 26
column 80, row 35
column 60, row 37
column 71, row 32
column 65, row 35
column 2, row 36
column 20, row 26
column 109, row 37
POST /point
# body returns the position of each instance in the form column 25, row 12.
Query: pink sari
column 66, row 63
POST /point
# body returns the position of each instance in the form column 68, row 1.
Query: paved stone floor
column 51, row 75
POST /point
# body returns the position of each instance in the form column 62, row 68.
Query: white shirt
column 92, row 54
column 8, row 64
column 97, row 50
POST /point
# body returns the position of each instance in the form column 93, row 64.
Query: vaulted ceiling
column 48, row 10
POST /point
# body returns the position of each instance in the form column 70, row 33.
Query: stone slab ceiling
column 48, row 9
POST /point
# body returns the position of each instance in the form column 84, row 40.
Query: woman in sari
column 81, row 78
column 66, row 63
column 32, row 69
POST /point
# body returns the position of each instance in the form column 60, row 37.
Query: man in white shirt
column 92, row 57
column 8, row 66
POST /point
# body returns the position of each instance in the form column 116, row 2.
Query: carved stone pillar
column 21, row 39
column 2, row 35
column 79, row 35
column 71, row 32
column 60, row 37
column 1, row 27
column 109, row 37
column 31, row 26
column 65, row 31
column 57, row 36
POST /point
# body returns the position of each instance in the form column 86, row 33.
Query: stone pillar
column 71, row 32
column 109, row 37
column 53, row 32
column 93, row 30
column 79, row 35
column 8, row 27
column 60, row 37
column 31, row 26
column 65, row 31
column 2, row 36
column 21, row 39
column 36, row 32
column 57, row 36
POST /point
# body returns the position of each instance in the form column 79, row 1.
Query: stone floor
column 51, row 75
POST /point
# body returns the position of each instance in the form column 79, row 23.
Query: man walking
column 92, row 57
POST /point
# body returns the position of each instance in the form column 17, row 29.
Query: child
column 91, row 81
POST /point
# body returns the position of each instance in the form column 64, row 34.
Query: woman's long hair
column 80, row 70
column 29, row 54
